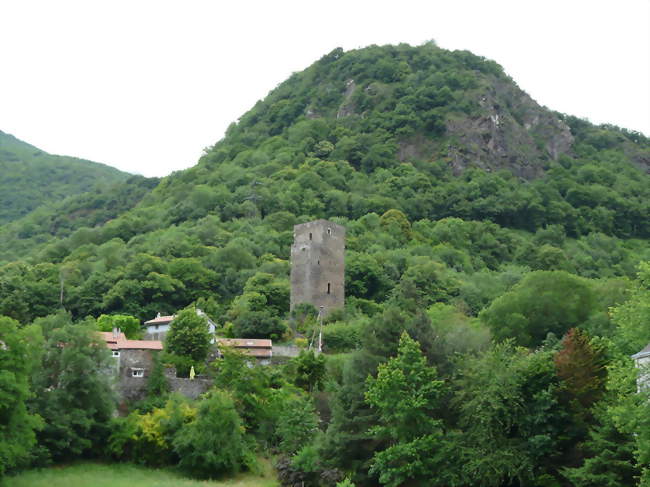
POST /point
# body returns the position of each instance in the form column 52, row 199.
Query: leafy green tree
column 258, row 324
column 631, row 317
column 189, row 336
column 297, row 425
column 20, row 350
column 309, row 370
column 214, row 442
column 543, row 302
column 129, row 325
column 406, row 393
column 73, row 393
column 249, row 387
column 610, row 458
column 148, row 438
column 396, row 223
column 513, row 423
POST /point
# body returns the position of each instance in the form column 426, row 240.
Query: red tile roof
column 160, row 320
column 122, row 343
column 245, row 342
column 254, row 347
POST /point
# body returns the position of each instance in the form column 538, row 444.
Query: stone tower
column 317, row 265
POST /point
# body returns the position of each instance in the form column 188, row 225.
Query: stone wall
column 317, row 265
column 191, row 388
column 131, row 389
column 285, row 351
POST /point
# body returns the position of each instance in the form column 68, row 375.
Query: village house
column 259, row 349
column 642, row 362
column 157, row 328
column 133, row 362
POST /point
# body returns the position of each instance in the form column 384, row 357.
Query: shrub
column 214, row 443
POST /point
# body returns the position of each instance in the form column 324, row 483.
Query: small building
column 259, row 349
column 642, row 362
column 157, row 328
column 133, row 362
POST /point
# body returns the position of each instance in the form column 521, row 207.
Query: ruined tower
column 317, row 265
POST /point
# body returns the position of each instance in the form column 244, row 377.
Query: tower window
column 329, row 231
column 309, row 235
column 329, row 288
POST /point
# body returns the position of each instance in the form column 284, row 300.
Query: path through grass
column 123, row 475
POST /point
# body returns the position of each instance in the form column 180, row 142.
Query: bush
column 214, row 443
column 147, row 438
column 341, row 337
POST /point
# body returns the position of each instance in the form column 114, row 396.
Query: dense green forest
column 30, row 177
column 497, row 281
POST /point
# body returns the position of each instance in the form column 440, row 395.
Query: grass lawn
column 124, row 475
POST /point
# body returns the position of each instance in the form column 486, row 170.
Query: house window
column 155, row 336
column 116, row 353
column 137, row 372
column 329, row 288
column 156, row 327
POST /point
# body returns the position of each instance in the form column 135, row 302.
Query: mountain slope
column 435, row 161
column 30, row 177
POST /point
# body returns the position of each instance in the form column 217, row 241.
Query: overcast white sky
column 146, row 85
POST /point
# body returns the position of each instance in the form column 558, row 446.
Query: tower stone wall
column 317, row 265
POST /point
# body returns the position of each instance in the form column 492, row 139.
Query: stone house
column 133, row 362
column 157, row 328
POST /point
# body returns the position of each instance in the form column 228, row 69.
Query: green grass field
column 123, row 475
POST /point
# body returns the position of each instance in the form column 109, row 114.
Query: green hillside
column 356, row 135
column 510, row 242
column 30, row 177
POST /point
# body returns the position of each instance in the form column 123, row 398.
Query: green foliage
column 188, row 336
column 383, row 140
column 20, row 351
column 147, row 438
column 342, row 336
column 308, row 370
column 213, row 443
column 73, row 393
column 258, row 324
column 512, row 421
column 297, row 425
column 543, row 302
column 406, row 393
column 632, row 316
column 611, row 457
column 250, row 388
column 129, row 325
column 26, row 169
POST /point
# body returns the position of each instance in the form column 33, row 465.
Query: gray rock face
column 512, row 132
column 317, row 265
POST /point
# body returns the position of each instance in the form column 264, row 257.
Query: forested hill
column 497, row 281
column 30, row 177
column 464, row 169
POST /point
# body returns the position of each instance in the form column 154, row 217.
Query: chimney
column 116, row 333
